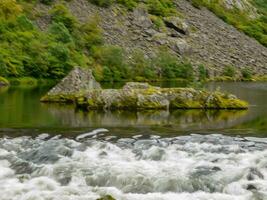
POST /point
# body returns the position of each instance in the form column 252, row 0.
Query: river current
column 192, row 167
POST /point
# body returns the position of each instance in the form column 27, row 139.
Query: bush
column 203, row 72
column 60, row 14
column 197, row 3
column 9, row 9
column 129, row 4
column 60, row 32
column 90, row 34
column 24, row 23
column 246, row 73
column 47, row 2
column 158, row 22
column 102, row 3
column 161, row 7
column 171, row 67
column 229, row 71
column 113, row 58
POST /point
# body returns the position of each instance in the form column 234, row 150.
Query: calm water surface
column 21, row 112
column 54, row 152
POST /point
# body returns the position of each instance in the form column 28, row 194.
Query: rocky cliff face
column 197, row 34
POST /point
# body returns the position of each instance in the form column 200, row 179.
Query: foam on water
column 195, row 167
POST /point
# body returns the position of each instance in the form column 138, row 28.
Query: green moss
column 151, row 98
column 107, row 197
column 3, row 81
column 70, row 98
column 218, row 100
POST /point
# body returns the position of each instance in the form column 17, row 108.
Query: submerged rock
column 81, row 88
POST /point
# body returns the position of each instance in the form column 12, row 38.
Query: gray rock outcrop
column 78, row 80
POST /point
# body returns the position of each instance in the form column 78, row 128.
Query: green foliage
column 229, row 71
column 3, row 81
column 158, row 22
column 9, row 9
column 246, row 73
column 161, row 7
column 113, row 58
column 102, row 3
column 90, row 34
column 47, row 2
column 60, row 14
column 203, row 72
column 129, row 4
column 24, row 81
column 171, row 67
column 141, row 66
column 60, row 32
column 197, row 3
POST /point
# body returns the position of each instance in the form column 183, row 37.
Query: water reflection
column 20, row 108
column 182, row 119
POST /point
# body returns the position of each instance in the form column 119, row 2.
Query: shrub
column 9, row 9
column 246, row 73
column 102, row 3
column 60, row 32
column 107, row 74
column 203, row 72
column 158, row 22
column 129, row 4
column 91, row 34
column 171, row 67
column 24, row 23
column 113, row 58
column 60, row 14
column 3, row 67
column 161, row 7
column 47, row 2
column 229, row 71
column 197, row 3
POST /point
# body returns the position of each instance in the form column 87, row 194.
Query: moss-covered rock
column 3, row 81
column 60, row 98
column 145, row 97
column 107, row 197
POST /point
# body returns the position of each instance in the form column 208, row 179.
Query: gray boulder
column 177, row 24
column 78, row 80
column 141, row 18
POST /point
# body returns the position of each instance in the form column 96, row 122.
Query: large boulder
column 181, row 46
column 178, row 24
column 78, row 80
column 141, row 18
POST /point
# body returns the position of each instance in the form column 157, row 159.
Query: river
column 58, row 153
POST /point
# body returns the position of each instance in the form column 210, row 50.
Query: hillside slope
column 133, row 40
column 210, row 40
